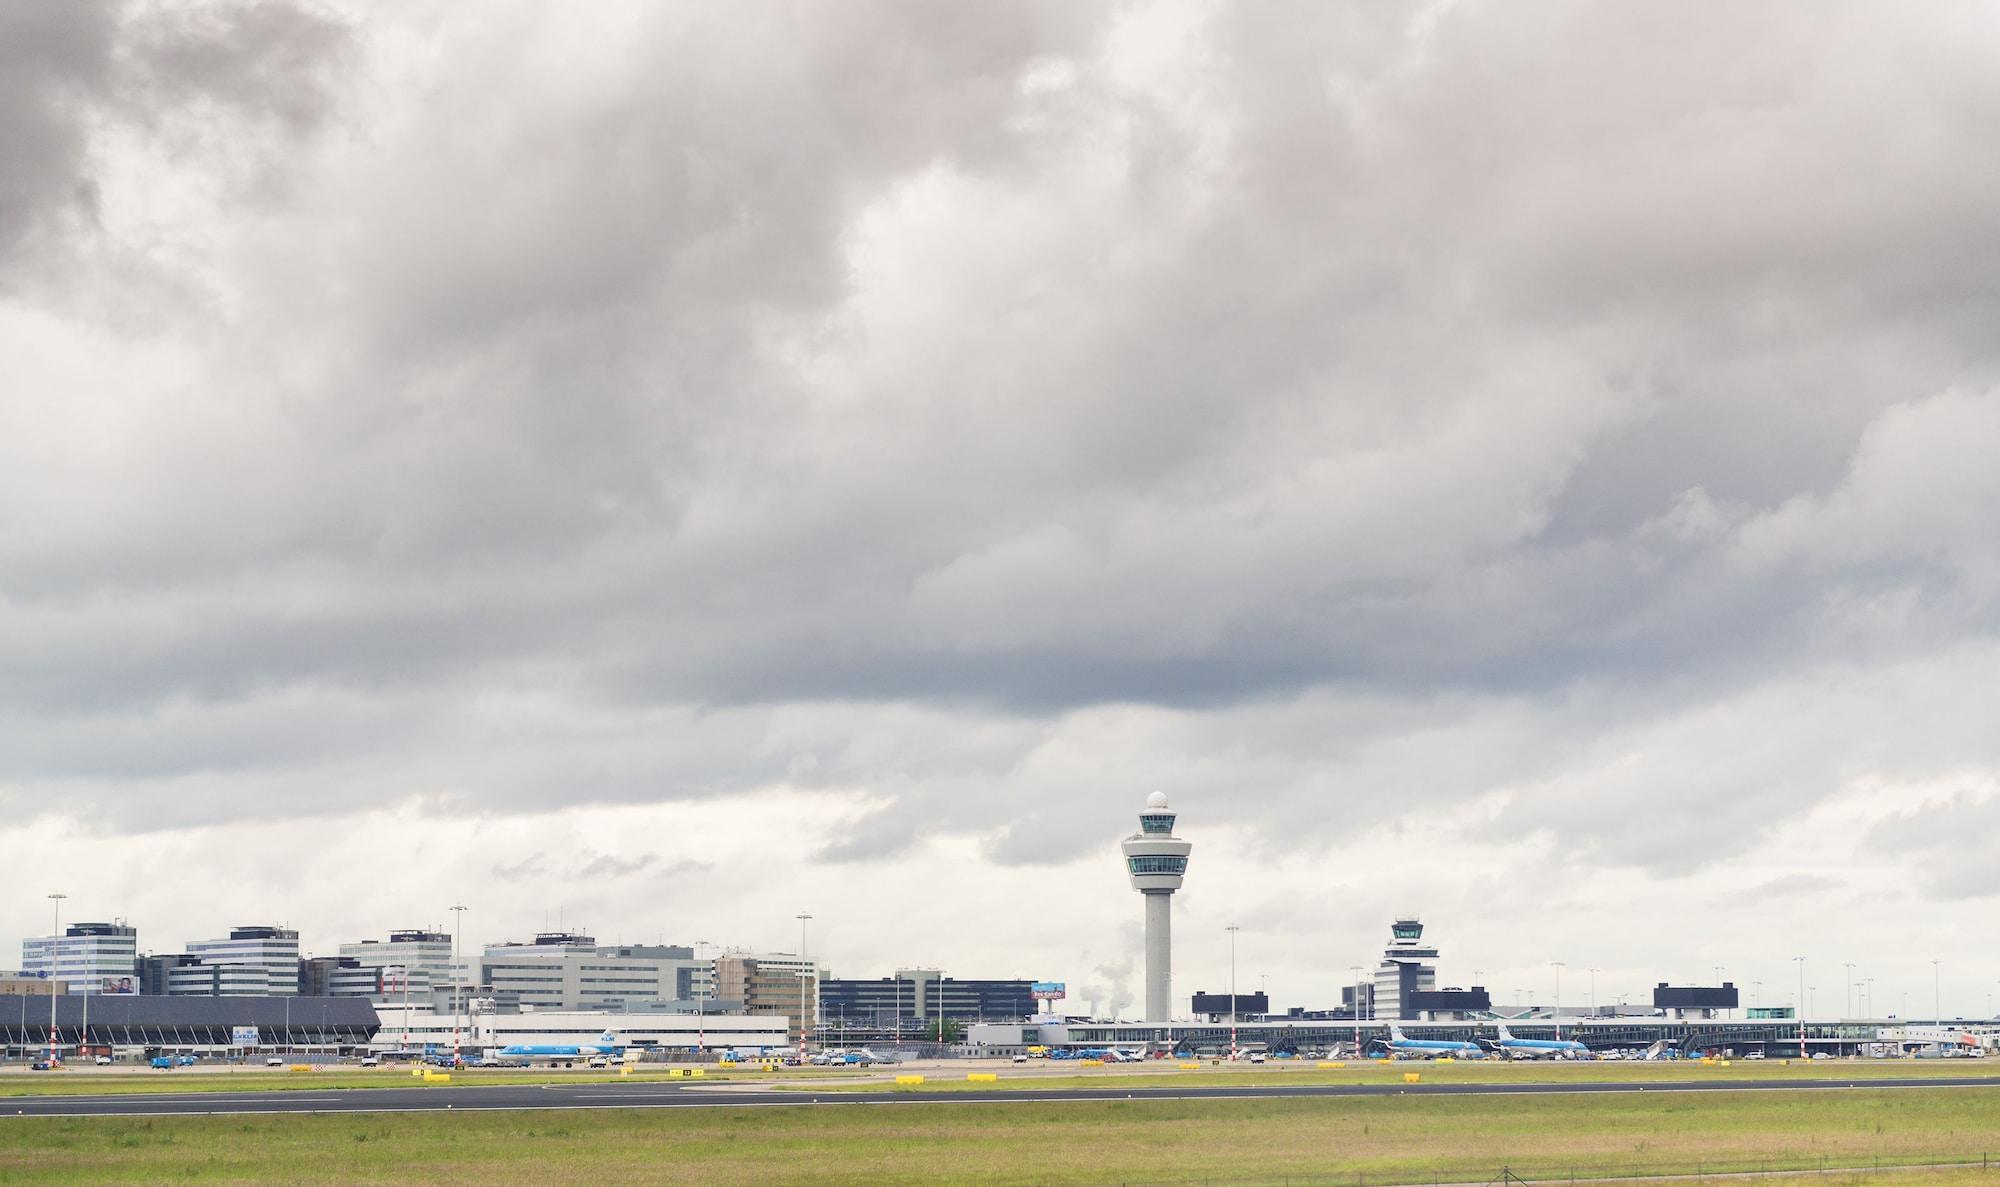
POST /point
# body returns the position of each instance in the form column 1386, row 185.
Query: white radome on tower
column 1157, row 800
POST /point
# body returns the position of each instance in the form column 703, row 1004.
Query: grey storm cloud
column 69, row 71
column 1572, row 420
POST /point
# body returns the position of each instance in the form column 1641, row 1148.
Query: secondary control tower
column 1157, row 860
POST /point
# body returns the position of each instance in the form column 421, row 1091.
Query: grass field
column 104, row 1083
column 1374, row 1141
column 821, row 1080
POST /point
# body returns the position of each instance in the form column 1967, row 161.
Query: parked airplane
column 1401, row 1044
column 607, row 1045
column 1515, row 1048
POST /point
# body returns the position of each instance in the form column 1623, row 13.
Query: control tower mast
column 1157, row 860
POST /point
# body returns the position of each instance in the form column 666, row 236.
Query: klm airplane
column 1508, row 1045
column 1402, row 1044
column 607, row 1044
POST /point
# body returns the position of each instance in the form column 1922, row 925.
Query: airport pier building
column 430, row 1031
column 132, row 1025
column 1681, row 1037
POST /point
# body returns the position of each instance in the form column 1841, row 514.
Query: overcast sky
column 663, row 469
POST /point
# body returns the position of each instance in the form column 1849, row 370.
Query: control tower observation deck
column 1157, row 860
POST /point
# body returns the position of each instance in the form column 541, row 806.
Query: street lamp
column 701, row 999
column 1801, row 999
column 1593, row 991
column 1847, row 1001
column 1559, row 999
column 1232, row 929
column 803, row 919
column 457, row 934
column 55, row 954
column 1937, row 1000
column 1356, row 970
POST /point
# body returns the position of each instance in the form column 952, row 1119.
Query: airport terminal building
column 431, row 1032
column 1674, row 1037
column 120, row 1024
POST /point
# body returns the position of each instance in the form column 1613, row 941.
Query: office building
column 272, row 949
column 917, row 996
column 414, row 949
column 411, row 964
column 156, row 969
column 771, row 984
column 206, row 979
column 89, row 957
column 569, row 971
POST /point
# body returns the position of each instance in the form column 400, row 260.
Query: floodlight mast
column 55, row 967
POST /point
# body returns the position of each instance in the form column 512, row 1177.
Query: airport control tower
column 1157, row 860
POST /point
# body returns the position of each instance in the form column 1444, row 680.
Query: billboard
column 1694, row 997
column 1221, row 1003
column 243, row 1036
column 1455, row 1000
column 1049, row 990
column 118, row 985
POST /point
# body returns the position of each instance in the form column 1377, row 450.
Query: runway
column 674, row 1096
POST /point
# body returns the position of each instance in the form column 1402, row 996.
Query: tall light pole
column 55, row 955
column 1232, row 929
column 1593, row 991
column 803, row 919
column 701, row 1000
column 1356, row 969
column 1847, row 1001
column 1801, row 999
column 1937, row 997
column 457, row 934
column 1558, row 965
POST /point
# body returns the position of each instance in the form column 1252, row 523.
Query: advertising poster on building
column 119, row 985
column 1050, row 990
column 243, row 1036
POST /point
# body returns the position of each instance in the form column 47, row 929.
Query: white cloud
column 1530, row 462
